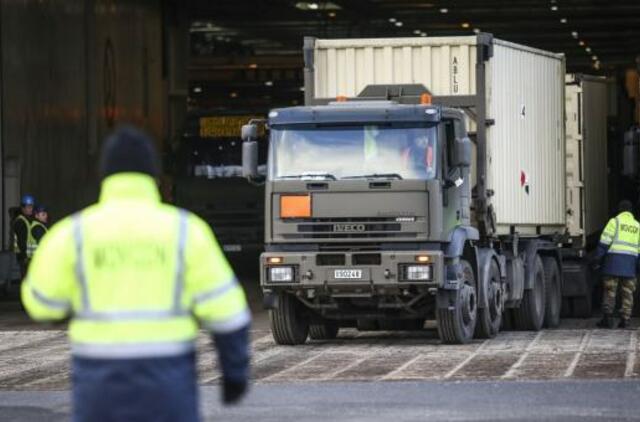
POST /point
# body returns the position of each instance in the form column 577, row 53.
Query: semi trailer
column 424, row 179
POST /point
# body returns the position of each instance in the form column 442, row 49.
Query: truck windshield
column 351, row 152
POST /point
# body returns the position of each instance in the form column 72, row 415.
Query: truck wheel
column 490, row 318
column 288, row 326
column 553, row 293
column 325, row 331
column 456, row 318
column 530, row 314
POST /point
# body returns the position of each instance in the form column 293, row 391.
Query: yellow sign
column 225, row 126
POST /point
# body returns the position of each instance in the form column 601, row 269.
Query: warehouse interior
column 71, row 70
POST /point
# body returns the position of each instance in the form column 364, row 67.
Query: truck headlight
column 281, row 274
column 417, row 272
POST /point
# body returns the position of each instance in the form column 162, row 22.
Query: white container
column 587, row 172
column 521, row 94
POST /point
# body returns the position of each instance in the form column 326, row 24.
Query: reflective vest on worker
column 620, row 243
column 32, row 241
column 136, row 276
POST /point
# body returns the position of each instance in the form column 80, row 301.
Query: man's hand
column 233, row 391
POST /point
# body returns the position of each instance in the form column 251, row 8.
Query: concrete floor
column 572, row 372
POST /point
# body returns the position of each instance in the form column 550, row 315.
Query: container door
column 575, row 185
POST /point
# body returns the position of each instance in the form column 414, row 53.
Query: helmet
column 27, row 200
column 40, row 208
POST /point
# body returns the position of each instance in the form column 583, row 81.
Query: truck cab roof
column 356, row 112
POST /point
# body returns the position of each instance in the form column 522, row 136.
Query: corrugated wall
column 71, row 69
column 445, row 65
column 526, row 146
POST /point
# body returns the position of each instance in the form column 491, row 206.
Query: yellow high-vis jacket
column 135, row 276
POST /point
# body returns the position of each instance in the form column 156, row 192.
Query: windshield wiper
column 310, row 175
column 375, row 176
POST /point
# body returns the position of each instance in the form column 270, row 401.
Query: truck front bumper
column 351, row 274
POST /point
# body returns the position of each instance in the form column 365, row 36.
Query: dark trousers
column 135, row 390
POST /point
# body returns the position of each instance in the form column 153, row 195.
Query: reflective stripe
column 623, row 243
column 228, row 325
column 58, row 305
column 145, row 315
column 180, row 260
column 80, row 270
column 216, row 292
column 131, row 350
column 615, row 234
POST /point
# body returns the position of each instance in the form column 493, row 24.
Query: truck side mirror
column 249, row 158
column 249, row 132
column 463, row 150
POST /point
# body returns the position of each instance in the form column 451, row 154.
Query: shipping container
column 517, row 99
column 587, row 170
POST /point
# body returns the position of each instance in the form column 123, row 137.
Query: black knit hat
column 129, row 150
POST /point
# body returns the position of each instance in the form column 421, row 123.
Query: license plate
column 347, row 274
column 232, row 248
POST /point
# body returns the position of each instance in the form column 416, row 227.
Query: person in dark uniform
column 21, row 226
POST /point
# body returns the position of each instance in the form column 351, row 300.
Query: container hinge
column 489, row 122
column 490, row 193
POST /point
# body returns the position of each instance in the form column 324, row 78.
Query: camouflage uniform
column 610, row 289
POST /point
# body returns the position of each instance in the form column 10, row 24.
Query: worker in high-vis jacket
column 136, row 278
column 20, row 228
column 37, row 229
column 620, row 247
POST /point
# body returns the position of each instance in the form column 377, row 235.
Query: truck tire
column 530, row 314
column 324, row 331
column 553, row 292
column 457, row 321
column 490, row 318
column 288, row 325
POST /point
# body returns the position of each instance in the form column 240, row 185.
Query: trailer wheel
column 490, row 318
column 530, row 314
column 553, row 293
column 288, row 325
column 324, row 331
column 456, row 318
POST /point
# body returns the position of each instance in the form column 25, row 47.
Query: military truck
column 207, row 179
column 423, row 179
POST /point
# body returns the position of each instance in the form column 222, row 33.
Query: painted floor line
column 465, row 361
column 574, row 362
column 525, row 354
column 631, row 357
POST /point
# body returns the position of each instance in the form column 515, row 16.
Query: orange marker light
column 274, row 260
column 295, row 206
column 422, row 258
column 341, row 98
column 425, row 99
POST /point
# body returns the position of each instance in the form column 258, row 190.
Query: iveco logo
column 348, row 228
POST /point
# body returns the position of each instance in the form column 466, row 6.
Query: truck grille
column 348, row 228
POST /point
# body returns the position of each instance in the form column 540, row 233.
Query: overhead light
column 574, row 34
column 563, row 20
column 302, row 88
column 465, row 24
column 476, row 30
column 253, row 66
column 594, row 58
column 399, row 24
column 197, row 89
column 596, row 64
column 581, row 43
column 444, row 10
column 392, row 20
column 417, row 32
column 554, row 8
column 313, row 6
column 332, row 14
column 588, row 50
column 269, row 83
column 234, row 95
column 423, row 34
column 325, row 5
